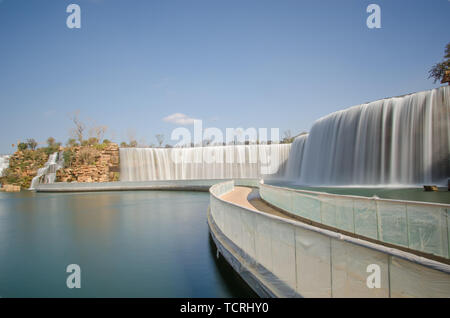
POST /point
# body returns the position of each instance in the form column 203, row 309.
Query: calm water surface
column 128, row 244
column 409, row 194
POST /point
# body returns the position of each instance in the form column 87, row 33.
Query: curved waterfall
column 215, row 162
column 4, row 164
column 47, row 174
column 395, row 141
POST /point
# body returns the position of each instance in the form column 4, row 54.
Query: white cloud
column 179, row 119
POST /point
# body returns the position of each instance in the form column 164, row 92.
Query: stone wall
column 91, row 164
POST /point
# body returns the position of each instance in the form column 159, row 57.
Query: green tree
column 71, row 142
column 22, row 146
column 438, row 70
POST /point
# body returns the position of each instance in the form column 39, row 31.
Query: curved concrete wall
column 291, row 258
column 418, row 226
column 199, row 185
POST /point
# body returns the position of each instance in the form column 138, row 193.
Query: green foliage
column 50, row 141
column 116, row 176
column 22, row 146
column 100, row 147
column 11, row 177
column 92, row 141
column 51, row 149
column 123, row 144
column 133, row 144
column 69, row 158
column 438, row 70
column 71, row 143
column 106, row 141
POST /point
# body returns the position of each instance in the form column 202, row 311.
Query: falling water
column 47, row 174
column 216, row 162
column 395, row 141
column 4, row 164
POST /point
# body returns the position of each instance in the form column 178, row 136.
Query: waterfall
column 47, row 174
column 4, row 164
column 292, row 172
column 395, row 141
column 212, row 162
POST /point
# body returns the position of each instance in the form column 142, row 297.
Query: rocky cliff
column 98, row 163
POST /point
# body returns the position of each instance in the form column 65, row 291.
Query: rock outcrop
column 90, row 164
column 10, row 188
column 23, row 166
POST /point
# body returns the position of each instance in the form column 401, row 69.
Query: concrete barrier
column 419, row 226
column 285, row 258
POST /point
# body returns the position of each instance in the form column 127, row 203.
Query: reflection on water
column 128, row 244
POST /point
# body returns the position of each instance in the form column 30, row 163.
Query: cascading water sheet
column 214, row 162
column 47, row 174
column 395, row 141
column 4, row 164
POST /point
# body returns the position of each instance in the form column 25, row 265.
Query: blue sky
column 231, row 63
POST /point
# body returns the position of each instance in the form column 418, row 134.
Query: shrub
column 22, row 146
column 133, row 144
column 69, row 157
column 87, row 156
column 50, row 141
column 92, row 141
column 116, row 176
column 12, row 177
column 51, row 149
column 71, row 143
column 100, row 147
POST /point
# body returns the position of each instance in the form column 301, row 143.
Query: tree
column 133, row 144
column 160, row 139
column 440, row 71
column 32, row 144
column 123, row 144
column 71, row 142
column 98, row 132
column 92, row 141
column 78, row 131
column 22, row 146
column 51, row 141
column 287, row 137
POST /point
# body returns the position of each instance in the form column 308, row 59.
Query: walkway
column 249, row 198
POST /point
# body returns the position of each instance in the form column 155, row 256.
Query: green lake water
column 409, row 194
column 128, row 244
